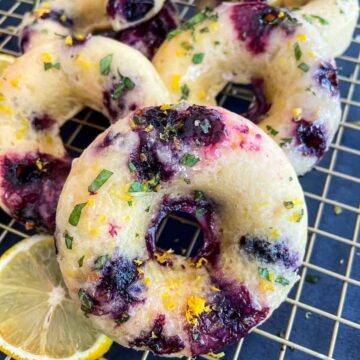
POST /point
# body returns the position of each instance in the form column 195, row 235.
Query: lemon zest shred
column 195, row 307
column 46, row 57
column 202, row 261
column 214, row 288
column 265, row 286
column 175, row 82
column 69, row 40
column 164, row 256
column 302, row 37
column 216, row 356
column 297, row 113
column 168, row 302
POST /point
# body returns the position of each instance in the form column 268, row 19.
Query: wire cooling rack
column 321, row 316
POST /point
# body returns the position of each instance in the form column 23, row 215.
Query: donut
column 212, row 164
column 78, row 18
column 335, row 20
column 39, row 92
column 290, row 67
column 148, row 36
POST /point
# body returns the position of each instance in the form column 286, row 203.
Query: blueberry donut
column 148, row 36
column 207, row 162
column 39, row 92
column 335, row 20
column 78, row 18
column 291, row 69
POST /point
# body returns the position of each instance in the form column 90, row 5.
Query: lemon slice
column 38, row 320
column 5, row 61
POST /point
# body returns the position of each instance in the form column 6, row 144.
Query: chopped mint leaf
column 189, row 160
column 100, row 180
column 136, row 186
column 198, row 58
column 86, row 302
column 288, row 204
column 132, row 167
column 282, row 280
column 312, row 279
column 285, row 141
column 123, row 318
column 200, row 212
column 199, row 195
column 105, row 64
column 263, row 273
column 68, row 240
column 304, row 67
column 321, row 20
column 76, row 214
column 81, row 261
column 297, row 51
column 271, row 130
column 186, row 45
column 208, row 13
column 185, row 92
column 125, row 84
column 100, row 262
column 48, row 66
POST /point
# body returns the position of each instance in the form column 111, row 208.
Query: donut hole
column 181, row 219
column 180, row 232
column 253, row 103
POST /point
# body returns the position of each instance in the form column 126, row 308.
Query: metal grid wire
column 319, row 320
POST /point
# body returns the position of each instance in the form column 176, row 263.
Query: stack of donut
column 170, row 148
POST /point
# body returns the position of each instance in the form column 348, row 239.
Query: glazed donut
column 204, row 161
column 78, row 18
column 335, row 20
column 43, row 89
column 291, row 68
column 147, row 37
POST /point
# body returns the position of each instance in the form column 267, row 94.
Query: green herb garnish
column 263, row 273
column 198, row 58
column 199, row 195
column 310, row 18
column 186, row 45
column 189, row 160
column 123, row 318
column 304, row 67
column 105, row 64
column 208, row 13
column 285, row 141
column 271, row 130
column 81, row 261
column 200, row 212
column 86, row 302
column 100, row 180
column 312, row 279
column 125, row 84
column 297, row 51
column 185, row 92
column 136, row 186
column 100, row 262
column 282, row 280
column 68, row 240
column 132, row 167
column 75, row 215
column 288, row 204
column 48, row 66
